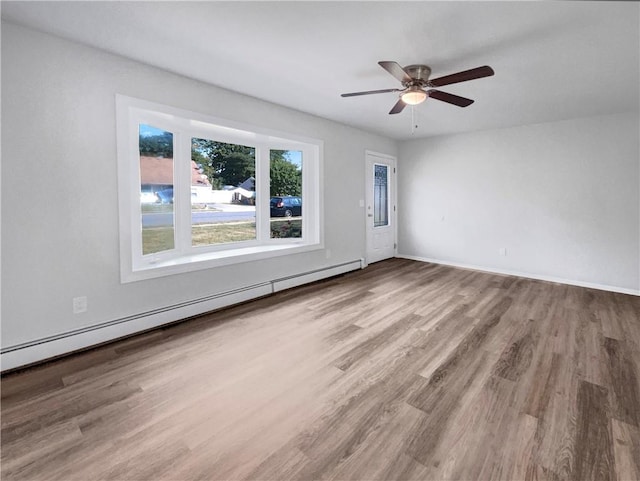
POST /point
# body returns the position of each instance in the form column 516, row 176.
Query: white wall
column 59, row 186
column 562, row 198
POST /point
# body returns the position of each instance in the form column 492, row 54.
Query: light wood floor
column 404, row 370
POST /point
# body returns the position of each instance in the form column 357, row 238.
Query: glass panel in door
column 380, row 195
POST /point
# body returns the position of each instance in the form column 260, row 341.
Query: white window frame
column 184, row 125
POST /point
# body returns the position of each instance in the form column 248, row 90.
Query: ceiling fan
column 417, row 86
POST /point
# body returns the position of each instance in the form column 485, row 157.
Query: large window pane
column 285, row 205
column 380, row 195
column 156, row 189
column 223, row 200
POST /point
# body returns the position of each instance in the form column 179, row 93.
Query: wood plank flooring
column 401, row 371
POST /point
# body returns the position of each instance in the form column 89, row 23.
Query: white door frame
column 370, row 158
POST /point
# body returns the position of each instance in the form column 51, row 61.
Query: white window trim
column 185, row 124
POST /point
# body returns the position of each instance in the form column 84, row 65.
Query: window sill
column 196, row 262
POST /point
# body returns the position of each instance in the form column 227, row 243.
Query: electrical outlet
column 79, row 304
column 328, row 253
column 503, row 251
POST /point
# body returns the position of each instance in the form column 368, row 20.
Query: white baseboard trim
column 312, row 276
column 601, row 287
column 20, row 355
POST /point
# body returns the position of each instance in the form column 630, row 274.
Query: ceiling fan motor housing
column 418, row 73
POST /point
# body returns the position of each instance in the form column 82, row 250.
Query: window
column 230, row 216
column 285, row 206
column 197, row 192
column 155, row 147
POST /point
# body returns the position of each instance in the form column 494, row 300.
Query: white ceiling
column 553, row 60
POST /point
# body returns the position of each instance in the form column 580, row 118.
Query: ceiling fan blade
column 472, row 74
column 369, row 92
column 396, row 70
column 450, row 98
column 397, row 108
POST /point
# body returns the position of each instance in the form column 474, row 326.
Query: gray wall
column 562, row 198
column 59, row 185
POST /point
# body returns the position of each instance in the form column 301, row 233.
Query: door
column 380, row 207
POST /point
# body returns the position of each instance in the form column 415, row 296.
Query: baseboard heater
column 21, row 355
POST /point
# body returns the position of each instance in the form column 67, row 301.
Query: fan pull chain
column 414, row 126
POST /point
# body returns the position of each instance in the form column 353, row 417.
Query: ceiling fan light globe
column 414, row 97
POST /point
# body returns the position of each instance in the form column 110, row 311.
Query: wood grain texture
column 401, row 371
column 593, row 437
column 626, row 449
